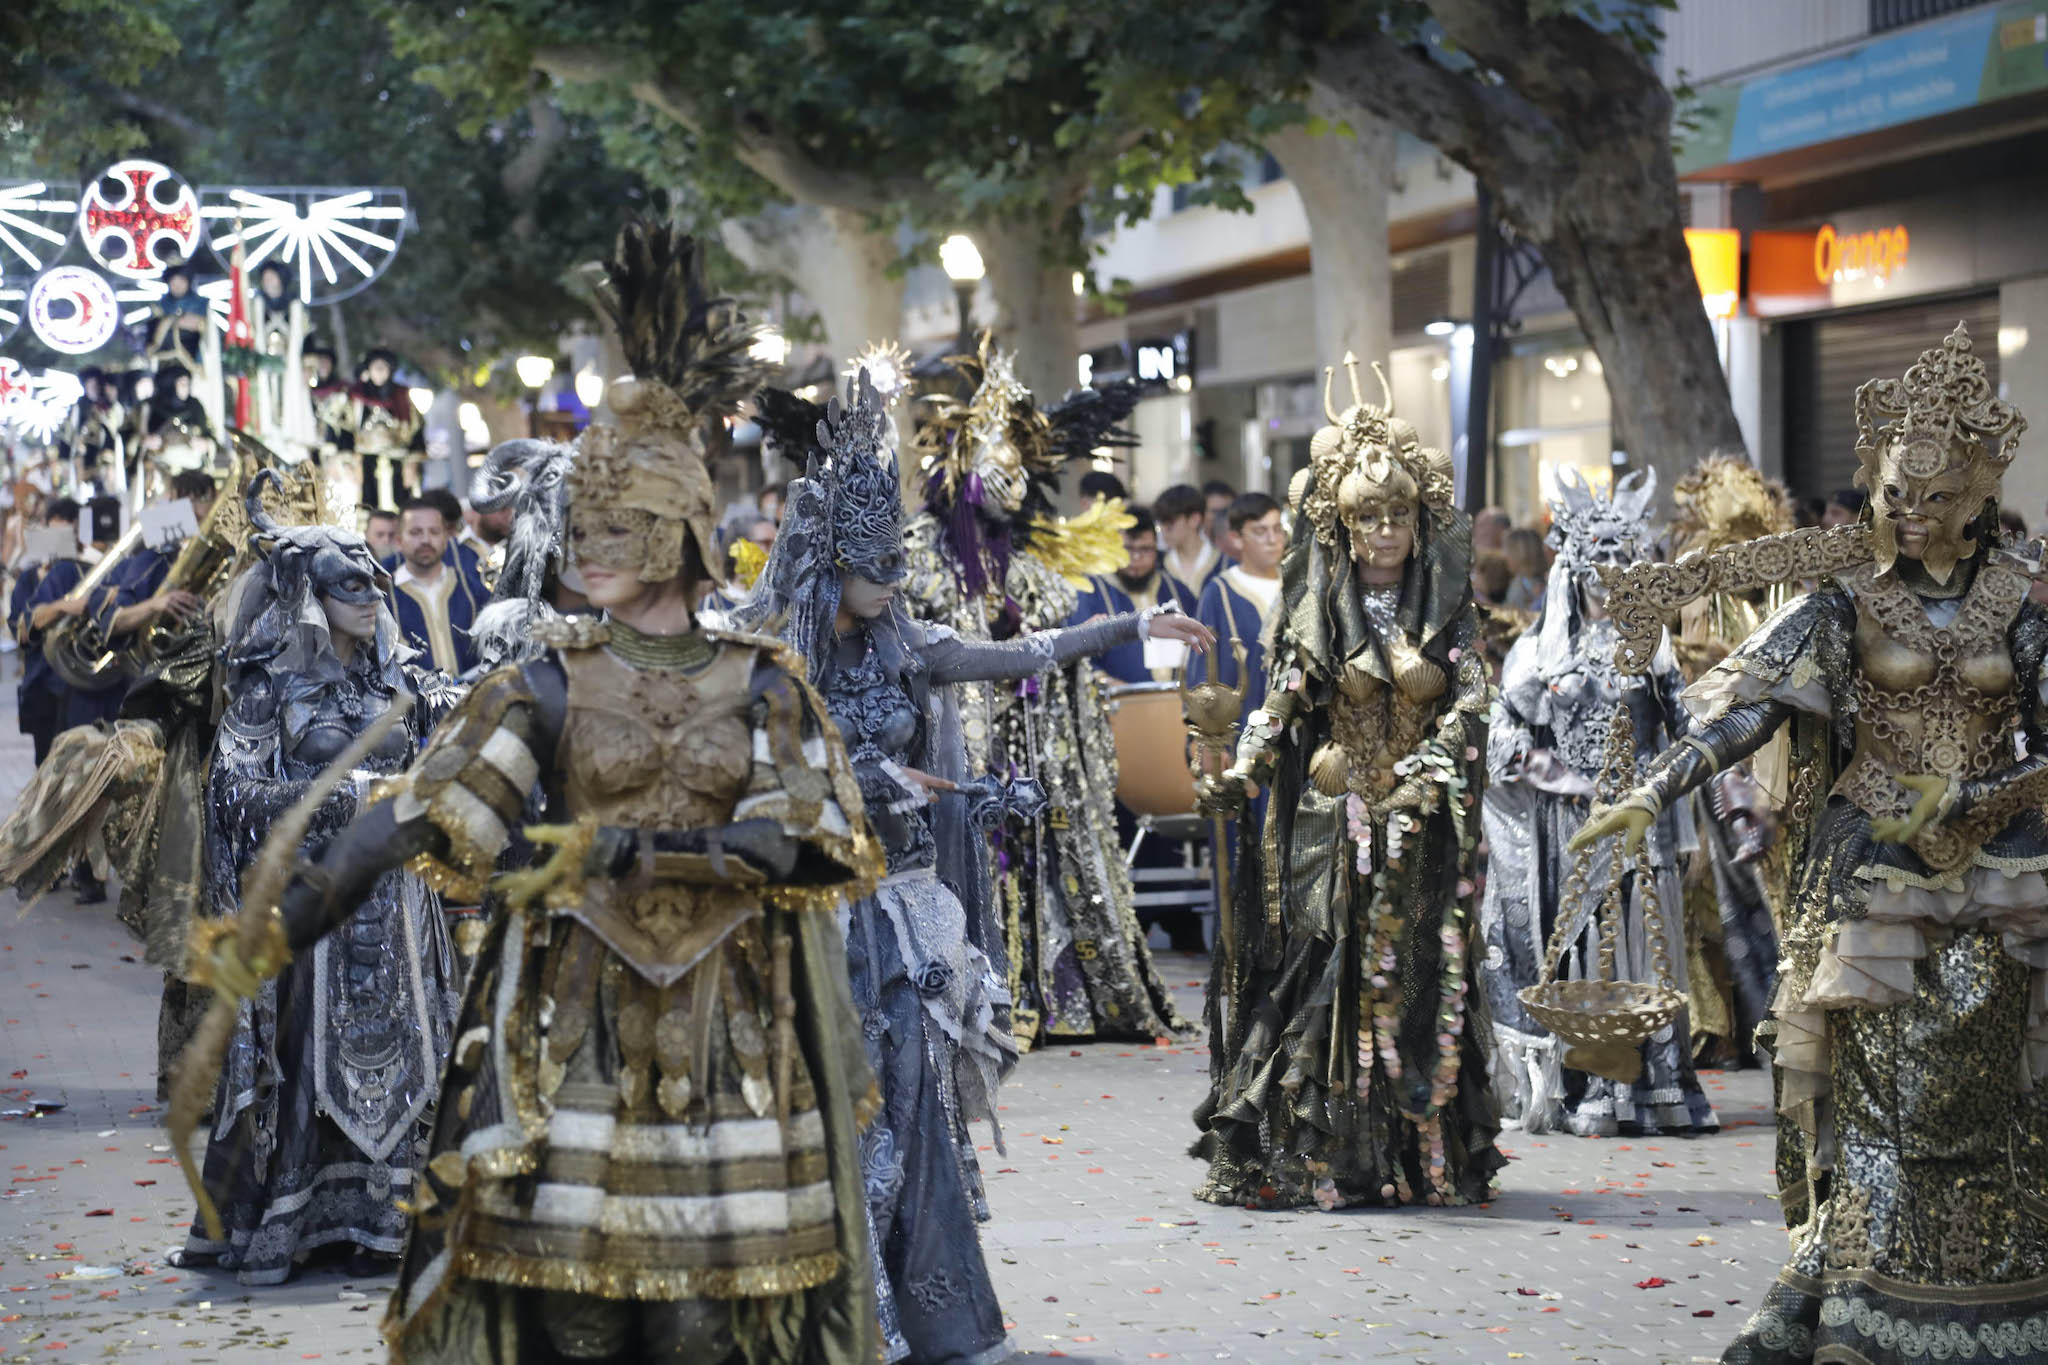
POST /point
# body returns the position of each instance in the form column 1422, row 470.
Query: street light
column 422, row 399
column 961, row 260
column 590, row 389
column 771, row 346
column 534, row 370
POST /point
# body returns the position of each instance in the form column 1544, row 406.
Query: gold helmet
column 1933, row 447
column 640, row 491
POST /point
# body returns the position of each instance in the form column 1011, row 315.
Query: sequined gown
column 1911, row 1046
column 925, row 955
column 325, row 1100
column 1564, row 706
column 1353, row 1067
column 1079, row 964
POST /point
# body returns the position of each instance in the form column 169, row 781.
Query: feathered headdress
column 844, row 516
column 532, row 478
column 691, row 354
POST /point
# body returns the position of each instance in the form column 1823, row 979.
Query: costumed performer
column 1545, row 746
column 1911, row 1043
column 926, row 948
column 981, row 562
column 1351, row 1068
column 646, row 1145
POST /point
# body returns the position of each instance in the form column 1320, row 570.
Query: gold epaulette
column 573, row 632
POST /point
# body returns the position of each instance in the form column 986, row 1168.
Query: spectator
column 1100, row 483
column 2013, row 524
column 1220, row 495
column 382, row 533
column 1491, row 577
column 1182, row 515
column 1490, row 529
column 1808, row 509
column 1843, row 506
column 1529, row 566
column 771, row 500
column 434, row 596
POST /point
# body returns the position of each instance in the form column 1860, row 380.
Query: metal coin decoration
column 72, row 309
column 139, row 218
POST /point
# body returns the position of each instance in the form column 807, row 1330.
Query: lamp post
column 961, row 260
column 534, row 371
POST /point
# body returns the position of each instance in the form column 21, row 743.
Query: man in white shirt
column 435, row 601
column 1182, row 514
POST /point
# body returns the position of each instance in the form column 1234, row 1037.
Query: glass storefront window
column 1550, row 410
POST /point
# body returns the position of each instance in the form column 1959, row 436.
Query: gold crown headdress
column 1941, row 419
column 1373, row 444
column 997, row 435
column 692, row 359
column 1726, row 500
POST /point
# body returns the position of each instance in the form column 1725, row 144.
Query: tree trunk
column 838, row 260
column 1033, row 286
column 1344, row 179
column 1570, row 129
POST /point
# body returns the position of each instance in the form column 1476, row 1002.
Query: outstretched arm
column 1683, row 768
column 953, row 660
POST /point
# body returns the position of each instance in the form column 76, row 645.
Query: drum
column 1151, row 749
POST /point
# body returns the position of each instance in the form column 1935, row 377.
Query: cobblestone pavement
column 1594, row 1250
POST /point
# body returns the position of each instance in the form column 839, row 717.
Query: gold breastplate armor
column 657, row 749
column 1374, row 724
column 1931, row 699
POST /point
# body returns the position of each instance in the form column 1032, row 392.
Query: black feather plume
column 672, row 328
column 791, row 420
column 1088, row 419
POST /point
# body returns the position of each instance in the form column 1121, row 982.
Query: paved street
column 1595, row 1250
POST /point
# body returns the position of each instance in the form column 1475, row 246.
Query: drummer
column 1138, row 584
column 1237, row 602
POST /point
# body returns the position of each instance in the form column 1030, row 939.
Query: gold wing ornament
column 1078, row 547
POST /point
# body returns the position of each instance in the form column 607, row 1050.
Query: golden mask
column 1932, row 449
column 1368, row 471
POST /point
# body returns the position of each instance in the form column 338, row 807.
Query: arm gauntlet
column 1687, row 765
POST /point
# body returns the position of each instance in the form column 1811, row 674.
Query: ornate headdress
column 844, row 516
column 1939, row 429
column 530, row 477
column 1589, row 526
column 692, row 361
column 1366, row 448
column 999, row 451
column 1726, row 500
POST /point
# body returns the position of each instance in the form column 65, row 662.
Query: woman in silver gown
column 326, row 1098
column 925, row 951
column 1558, row 690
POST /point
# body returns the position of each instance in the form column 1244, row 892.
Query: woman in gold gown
column 1911, row 1038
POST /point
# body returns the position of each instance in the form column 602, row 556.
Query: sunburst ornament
column 35, row 222
column 336, row 241
column 888, row 366
column 138, row 218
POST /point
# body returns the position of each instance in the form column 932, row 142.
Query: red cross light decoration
column 131, row 210
column 14, row 385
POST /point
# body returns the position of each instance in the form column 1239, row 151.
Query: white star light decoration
column 34, row 223
column 344, row 237
column 40, row 412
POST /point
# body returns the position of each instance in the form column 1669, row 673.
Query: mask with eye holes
column 845, row 516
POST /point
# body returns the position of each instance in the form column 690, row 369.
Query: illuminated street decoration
column 336, row 241
column 35, row 222
column 138, row 218
column 72, row 309
column 36, row 406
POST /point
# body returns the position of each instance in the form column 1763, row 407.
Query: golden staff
column 1211, row 710
column 258, row 932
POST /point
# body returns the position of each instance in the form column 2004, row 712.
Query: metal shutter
column 1828, row 359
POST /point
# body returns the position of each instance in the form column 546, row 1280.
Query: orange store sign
column 1840, row 257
